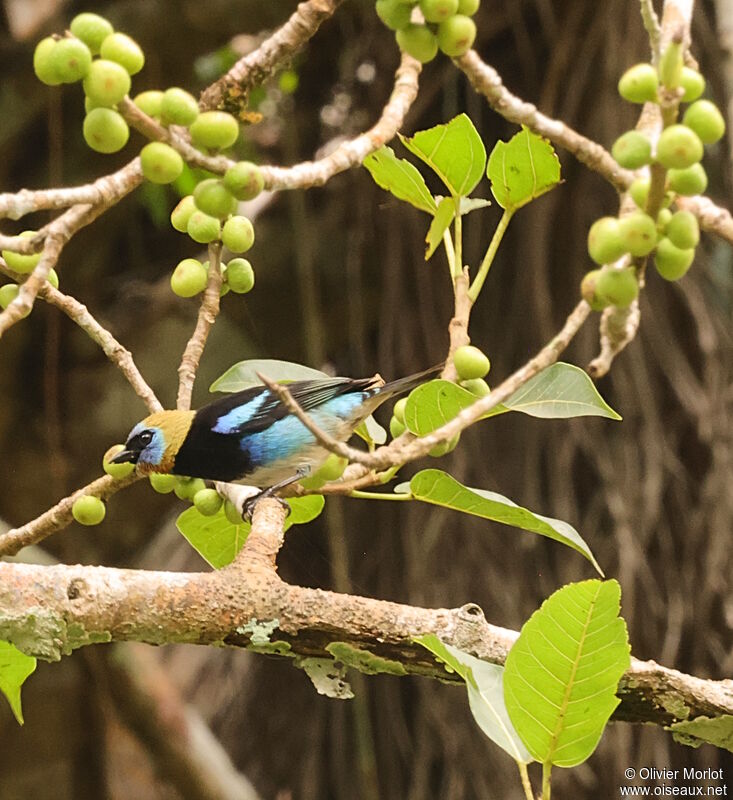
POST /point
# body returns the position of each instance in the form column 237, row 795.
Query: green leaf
column 705, row 730
column 371, row 431
column 243, row 374
column 561, row 675
column 442, row 219
column 559, row 392
column 522, row 169
column 485, row 694
column 434, row 403
column 437, row 487
column 454, row 151
column 218, row 541
column 15, row 667
column 400, row 178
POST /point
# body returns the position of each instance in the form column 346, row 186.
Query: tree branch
column 208, row 312
column 253, row 68
column 618, row 328
column 50, row 611
column 487, row 81
column 352, row 153
column 117, row 354
column 407, row 449
column 59, row 516
column 104, row 191
column 334, row 445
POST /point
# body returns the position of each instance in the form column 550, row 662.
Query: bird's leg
column 248, row 506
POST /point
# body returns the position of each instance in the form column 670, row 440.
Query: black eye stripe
column 146, row 437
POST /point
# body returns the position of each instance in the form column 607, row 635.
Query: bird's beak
column 125, row 457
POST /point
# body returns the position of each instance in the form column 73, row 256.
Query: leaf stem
column 458, row 237
column 546, row 769
column 380, row 495
column 449, row 252
column 483, row 271
column 524, row 775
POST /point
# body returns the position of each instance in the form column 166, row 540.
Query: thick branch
column 50, row 611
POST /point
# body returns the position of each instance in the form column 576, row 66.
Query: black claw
column 249, row 504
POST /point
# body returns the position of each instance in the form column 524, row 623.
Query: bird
column 251, row 437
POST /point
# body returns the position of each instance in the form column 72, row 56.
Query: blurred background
column 341, row 284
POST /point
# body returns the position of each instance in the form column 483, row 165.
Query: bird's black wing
column 255, row 409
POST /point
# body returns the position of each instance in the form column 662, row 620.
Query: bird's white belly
column 310, row 458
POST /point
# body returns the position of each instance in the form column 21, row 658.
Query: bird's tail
column 402, row 385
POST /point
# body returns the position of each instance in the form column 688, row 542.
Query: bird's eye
column 146, row 437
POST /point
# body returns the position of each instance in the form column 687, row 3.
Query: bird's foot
column 249, row 504
column 248, row 507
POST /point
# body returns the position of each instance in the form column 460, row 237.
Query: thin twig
column 353, row 152
column 207, row 316
column 104, row 191
column 651, row 24
column 487, row 81
column 253, row 68
column 334, row 445
column 403, row 450
column 117, row 354
column 458, row 326
column 712, row 218
column 57, row 234
column 618, row 328
column 408, row 448
column 59, row 516
column 177, row 137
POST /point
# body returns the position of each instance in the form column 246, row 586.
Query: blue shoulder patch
column 238, row 416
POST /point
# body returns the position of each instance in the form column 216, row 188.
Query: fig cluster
column 103, row 59
column 209, row 215
column 472, row 366
column 446, row 25
column 206, row 500
column 190, row 277
column 671, row 237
